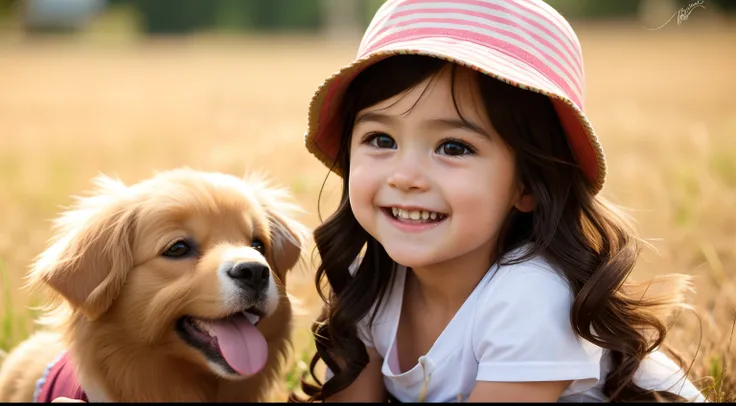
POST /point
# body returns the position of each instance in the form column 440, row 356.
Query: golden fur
column 115, row 300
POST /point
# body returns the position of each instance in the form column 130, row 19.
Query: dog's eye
column 178, row 250
column 258, row 246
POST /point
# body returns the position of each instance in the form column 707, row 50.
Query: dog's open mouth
column 232, row 342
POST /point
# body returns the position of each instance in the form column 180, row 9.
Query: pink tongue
column 242, row 345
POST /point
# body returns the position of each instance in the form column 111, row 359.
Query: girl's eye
column 258, row 246
column 382, row 141
column 178, row 250
column 455, row 148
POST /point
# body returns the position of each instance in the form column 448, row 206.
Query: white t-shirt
column 514, row 326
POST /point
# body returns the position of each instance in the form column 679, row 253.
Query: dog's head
column 192, row 264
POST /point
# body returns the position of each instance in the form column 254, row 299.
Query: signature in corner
column 682, row 14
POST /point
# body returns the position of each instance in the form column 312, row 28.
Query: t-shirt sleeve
column 522, row 331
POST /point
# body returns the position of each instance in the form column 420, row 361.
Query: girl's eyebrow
column 456, row 123
column 375, row 117
column 447, row 123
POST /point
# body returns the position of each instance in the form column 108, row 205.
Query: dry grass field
column 663, row 103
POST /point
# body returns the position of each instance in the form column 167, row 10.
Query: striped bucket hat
column 525, row 43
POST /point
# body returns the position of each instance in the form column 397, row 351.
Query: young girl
column 470, row 257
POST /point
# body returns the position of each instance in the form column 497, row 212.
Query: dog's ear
column 91, row 252
column 288, row 236
column 288, row 240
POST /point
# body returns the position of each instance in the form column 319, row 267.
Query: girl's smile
column 430, row 179
column 413, row 219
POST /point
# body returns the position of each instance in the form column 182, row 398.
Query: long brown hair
column 577, row 231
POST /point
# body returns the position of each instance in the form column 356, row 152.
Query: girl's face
column 427, row 185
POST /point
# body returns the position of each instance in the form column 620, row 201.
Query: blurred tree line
column 182, row 16
column 607, row 9
column 170, row 16
column 178, row 16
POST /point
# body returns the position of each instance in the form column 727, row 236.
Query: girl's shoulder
column 532, row 289
column 535, row 275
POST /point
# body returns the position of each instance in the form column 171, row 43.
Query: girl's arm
column 517, row 391
column 368, row 387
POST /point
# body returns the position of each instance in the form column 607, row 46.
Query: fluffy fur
column 115, row 301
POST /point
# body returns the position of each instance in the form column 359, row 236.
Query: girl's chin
column 413, row 259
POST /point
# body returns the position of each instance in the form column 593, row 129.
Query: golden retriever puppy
column 172, row 289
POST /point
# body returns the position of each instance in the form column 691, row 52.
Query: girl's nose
column 408, row 175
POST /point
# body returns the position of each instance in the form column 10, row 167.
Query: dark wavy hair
column 579, row 233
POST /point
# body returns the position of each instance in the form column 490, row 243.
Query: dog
column 169, row 290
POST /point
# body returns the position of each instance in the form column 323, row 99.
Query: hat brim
column 324, row 129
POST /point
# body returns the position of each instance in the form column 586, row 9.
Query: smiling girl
column 470, row 256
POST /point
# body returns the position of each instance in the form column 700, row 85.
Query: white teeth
column 415, row 214
column 204, row 327
column 252, row 318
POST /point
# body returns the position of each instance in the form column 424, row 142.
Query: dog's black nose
column 250, row 274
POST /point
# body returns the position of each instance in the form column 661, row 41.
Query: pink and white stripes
column 525, row 43
column 521, row 29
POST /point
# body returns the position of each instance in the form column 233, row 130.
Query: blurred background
column 129, row 87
